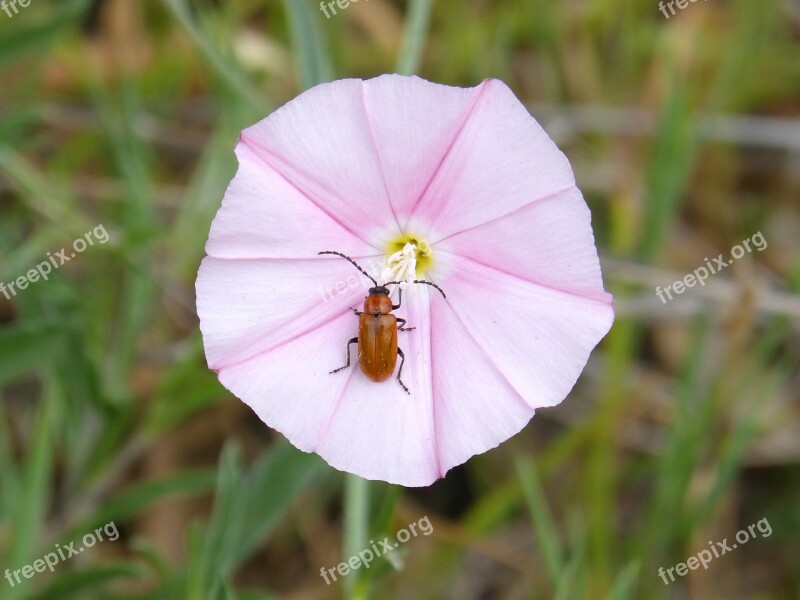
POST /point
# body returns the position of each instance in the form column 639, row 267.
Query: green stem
column 314, row 64
column 541, row 519
column 356, row 532
column 419, row 14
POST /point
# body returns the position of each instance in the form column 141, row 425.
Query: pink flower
column 490, row 208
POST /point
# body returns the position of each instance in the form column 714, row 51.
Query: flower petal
column 501, row 160
column 549, row 242
column 475, row 408
column 321, row 142
column 413, row 123
column 375, row 430
column 539, row 338
column 249, row 307
column 265, row 216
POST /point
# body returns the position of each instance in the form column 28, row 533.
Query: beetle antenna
column 430, row 283
column 354, row 263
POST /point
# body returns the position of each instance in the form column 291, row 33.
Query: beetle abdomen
column 377, row 346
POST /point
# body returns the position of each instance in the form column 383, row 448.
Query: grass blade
column 419, row 14
column 542, row 520
column 312, row 55
column 356, row 531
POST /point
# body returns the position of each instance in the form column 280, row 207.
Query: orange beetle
column 377, row 330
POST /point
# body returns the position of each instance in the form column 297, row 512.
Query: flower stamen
column 406, row 264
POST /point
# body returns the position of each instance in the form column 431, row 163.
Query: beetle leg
column 400, row 370
column 352, row 341
column 399, row 299
column 358, row 314
column 402, row 324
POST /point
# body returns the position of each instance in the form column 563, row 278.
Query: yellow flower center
column 407, row 259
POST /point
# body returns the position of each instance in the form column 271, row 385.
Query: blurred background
column 684, row 429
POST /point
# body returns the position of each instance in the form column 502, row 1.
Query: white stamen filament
column 401, row 266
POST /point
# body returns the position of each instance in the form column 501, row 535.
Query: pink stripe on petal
column 248, row 307
column 476, row 408
column 548, row 242
column 321, row 141
column 500, row 161
column 539, row 338
column 414, row 122
column 299, row 405
column 264, row 216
